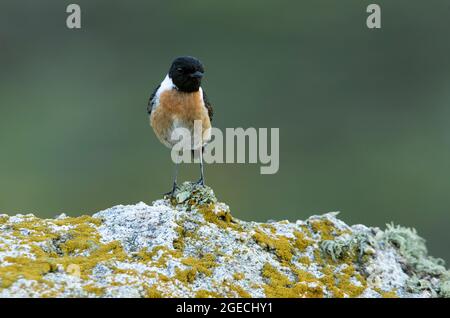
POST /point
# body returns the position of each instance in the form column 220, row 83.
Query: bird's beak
column 197, row 74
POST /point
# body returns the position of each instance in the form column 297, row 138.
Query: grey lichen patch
column 192, row 246
column 426, row 272
column 355, row 245
column 192, row 194
column 412, row 247
column 444, row 290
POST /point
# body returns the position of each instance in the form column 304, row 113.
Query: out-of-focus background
column 364, row 115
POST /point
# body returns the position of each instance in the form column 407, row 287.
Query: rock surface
column 191, row 246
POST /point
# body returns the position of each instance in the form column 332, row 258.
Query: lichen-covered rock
column 191, row 246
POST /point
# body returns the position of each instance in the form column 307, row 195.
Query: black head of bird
column 186, row 73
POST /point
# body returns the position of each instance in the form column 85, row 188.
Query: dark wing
column 208, row 106
column 151, row 100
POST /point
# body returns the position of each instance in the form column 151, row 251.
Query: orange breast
column 178, row 109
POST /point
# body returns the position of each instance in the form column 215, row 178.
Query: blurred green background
column 364, row 115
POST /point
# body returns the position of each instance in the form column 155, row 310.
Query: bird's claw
column 172, row 192
column 200, row 182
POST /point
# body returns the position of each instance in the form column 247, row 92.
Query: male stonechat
column 178, row 102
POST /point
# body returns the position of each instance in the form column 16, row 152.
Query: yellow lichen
column 93, row 289
column 202, row 293
column 340, row 283
column 56, row 249
column 345, row 285
column 185, row 276
column 152, row 292
column 281, row 245
column 32, row 230
column 4, row 219
column 301, row 241
column 203, row 266
column 83, row 237
column 24, row 267
column 130, row 272
column 238, row 276
column 391, row 294
column 163, row 278
column 236, row 290
column 325, row 228
column 80, row 245
column 280, row 286
column 270, row 227
column 84, row 219
column 148, row 257
column 178, row 243
column 223, row 219
column 304, row 260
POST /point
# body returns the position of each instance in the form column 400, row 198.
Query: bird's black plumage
column 208, row 106
column 186, row 73
column 151, row 100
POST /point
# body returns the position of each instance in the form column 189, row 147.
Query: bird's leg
column 174, row 186
column 202, row 177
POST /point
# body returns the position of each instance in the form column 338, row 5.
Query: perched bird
column 179, row 101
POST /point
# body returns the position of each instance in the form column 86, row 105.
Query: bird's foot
column 200, row 182
column 171, row 193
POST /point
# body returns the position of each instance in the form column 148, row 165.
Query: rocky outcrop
column 191, row 246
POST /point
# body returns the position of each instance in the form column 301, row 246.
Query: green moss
column 280, row 244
